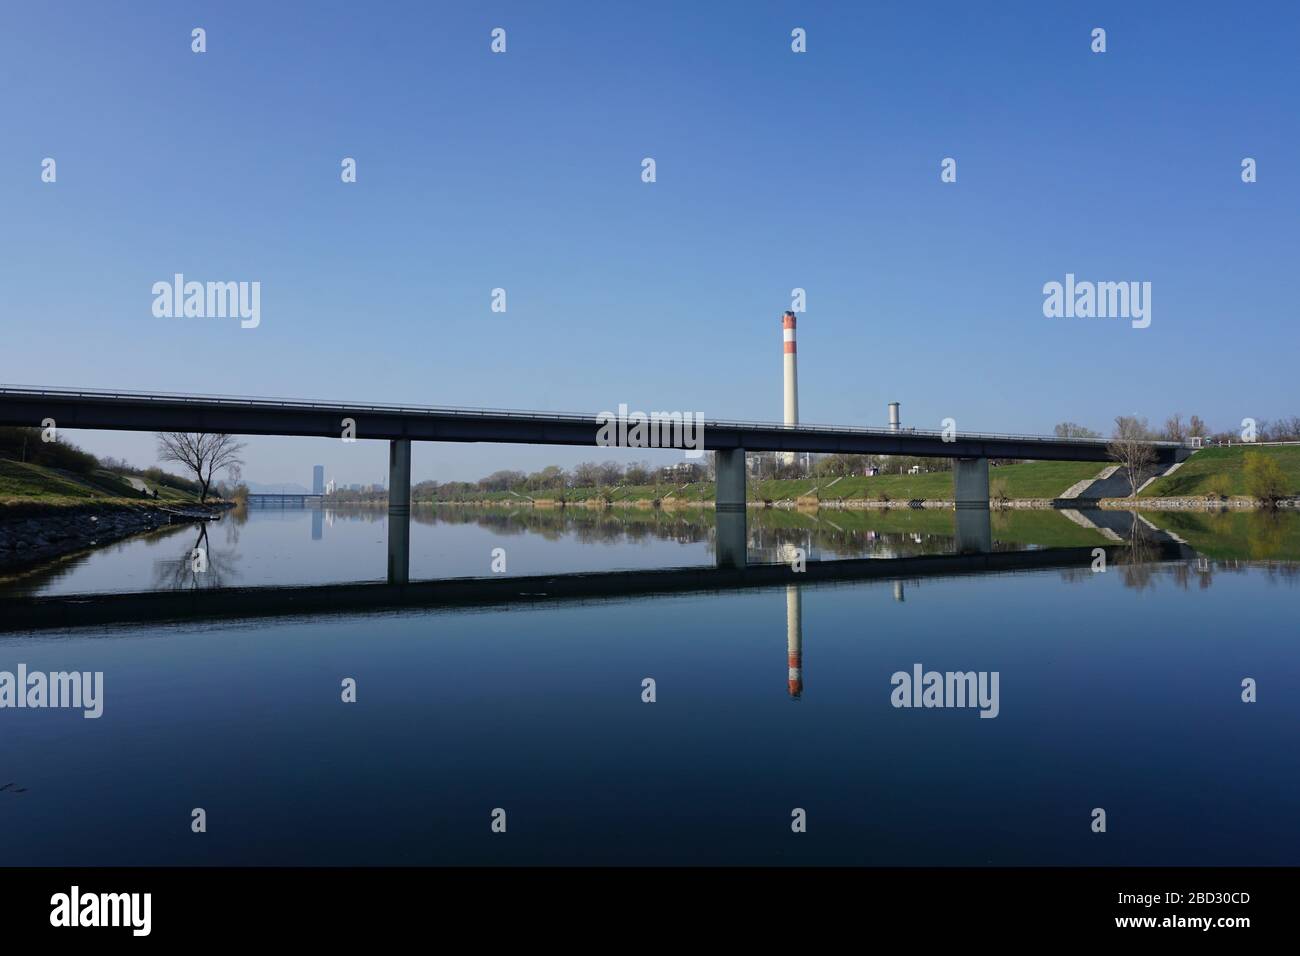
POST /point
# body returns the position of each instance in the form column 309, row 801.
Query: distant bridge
column 402, row 424
column 283, row 500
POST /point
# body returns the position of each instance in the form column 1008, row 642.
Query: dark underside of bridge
column 45, row 612
column 132, row 412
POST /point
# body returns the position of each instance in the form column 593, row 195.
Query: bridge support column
column 399, row 511
column 732, row 535
column 970, row 479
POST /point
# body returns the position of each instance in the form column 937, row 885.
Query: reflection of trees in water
column 1204, row 570
column 1138, row 556
column 233, row 521
column 1265, row 534
column 769, row 530
column 1077, row 575
column 1284, row 572
column 179, row 574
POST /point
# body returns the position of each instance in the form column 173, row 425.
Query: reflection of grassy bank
column 1050, row 529
column 884, row 521
column 1250, row 535
column 1041, row 528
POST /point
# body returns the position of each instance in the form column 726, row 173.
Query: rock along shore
column 32, row 534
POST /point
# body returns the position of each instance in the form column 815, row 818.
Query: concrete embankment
column 33, row 534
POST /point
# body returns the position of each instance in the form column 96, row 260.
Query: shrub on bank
column 1265, row 478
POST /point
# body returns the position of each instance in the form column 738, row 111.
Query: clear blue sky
column 775, row 170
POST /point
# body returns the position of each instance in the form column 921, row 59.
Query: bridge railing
column 521, row 414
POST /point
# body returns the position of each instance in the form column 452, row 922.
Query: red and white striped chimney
column 791, row 377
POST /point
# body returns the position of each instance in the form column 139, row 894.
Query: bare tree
column 1174, row 429
column 1074, row 430
column 202, row 453
column 1130, row 446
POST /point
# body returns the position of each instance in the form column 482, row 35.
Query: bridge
column 402, row 424
column 287, row 500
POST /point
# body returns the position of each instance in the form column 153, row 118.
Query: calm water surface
column 309, row 546
column 1119, row 690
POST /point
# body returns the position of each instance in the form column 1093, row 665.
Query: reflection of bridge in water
column 285, row 501
column 45, row 612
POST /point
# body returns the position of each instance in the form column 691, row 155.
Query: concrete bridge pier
column 732, row 534
column 970, row 479
column 399, row 511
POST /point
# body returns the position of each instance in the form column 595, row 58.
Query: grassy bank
column 25, row 485
column 1034, row 479
column 1195, row 477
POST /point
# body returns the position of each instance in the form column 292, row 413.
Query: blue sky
column 775, row 170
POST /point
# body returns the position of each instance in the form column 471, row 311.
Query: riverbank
column 808, row 503
column 34, row 532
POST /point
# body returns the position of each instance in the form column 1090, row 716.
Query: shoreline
column 1185, row 503
column 32, row 534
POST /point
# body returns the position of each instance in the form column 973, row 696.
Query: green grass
column 1050, row 529
column 1236, row 535
column 23, row 483
column 1034, row 479
column 1193, row 478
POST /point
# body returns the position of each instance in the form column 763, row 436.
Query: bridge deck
column 141, row 411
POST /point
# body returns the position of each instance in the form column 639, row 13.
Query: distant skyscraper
column 318, row 480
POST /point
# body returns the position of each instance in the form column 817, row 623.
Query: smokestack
column 791, row 379
column 893, row 416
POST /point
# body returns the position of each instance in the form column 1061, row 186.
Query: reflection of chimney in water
column 898, row 592
column 794, row 638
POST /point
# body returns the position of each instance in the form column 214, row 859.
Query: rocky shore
column 32, row 535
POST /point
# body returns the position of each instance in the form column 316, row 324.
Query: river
column 1118, row 689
